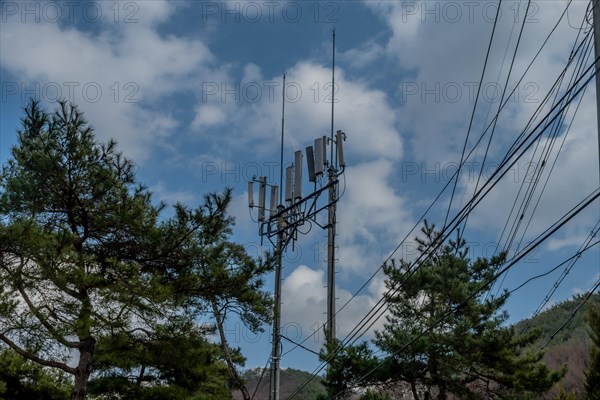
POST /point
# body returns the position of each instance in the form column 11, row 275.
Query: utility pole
column 331, row 255
column 276, row 350
column 596, row 20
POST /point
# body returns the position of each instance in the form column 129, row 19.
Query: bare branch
column 36, row 359
column 56, row 335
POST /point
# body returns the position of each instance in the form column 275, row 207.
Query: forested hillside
column 291, row 379
column 570, row 347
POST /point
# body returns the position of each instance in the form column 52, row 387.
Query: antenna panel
column 274, row 196
column 289, row 181
column 319, row 156
column 298, row 175
column 262, row 188
column 310, row 163
column 339, row 142
column 250, row 194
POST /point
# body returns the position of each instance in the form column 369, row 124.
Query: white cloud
column 587, row 286
column 116, row 76
column 566, row 187
column 444, row 56
column 208, row 115
column 363, row 113
column 372, row 217
column 363, row 56
column 171, row 197
column 305, row 299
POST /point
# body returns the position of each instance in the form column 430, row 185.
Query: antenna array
column 289, row 209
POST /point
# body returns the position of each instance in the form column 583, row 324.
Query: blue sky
column 192, row 92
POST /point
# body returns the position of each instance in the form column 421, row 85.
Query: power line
column 453, row 176
column 299, row 345
column 470, row 206
column 466, row 210
column 573, row 259
column 262, row 374
column 555, row 161
column 584, row 246
column 495, row 122
column 525, row 73
column 487, row 55
column 544, row 157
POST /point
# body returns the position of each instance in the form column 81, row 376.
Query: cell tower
column 290, row 209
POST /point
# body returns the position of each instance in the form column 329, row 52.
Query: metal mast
column 331, row 220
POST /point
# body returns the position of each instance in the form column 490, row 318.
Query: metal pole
column 276, row 350
column 281, row 152
column 596, row 19
column 331, row 219
column 332, row 99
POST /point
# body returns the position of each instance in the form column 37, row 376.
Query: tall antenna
column 281, row 153
column 332, row 95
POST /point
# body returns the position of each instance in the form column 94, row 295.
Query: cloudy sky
column 192, row 92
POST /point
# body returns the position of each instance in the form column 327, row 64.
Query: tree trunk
column 443, row 394
column 83, row 369
column 413, row 387
column 140, row 377
column 437, row 379
column 237, row 379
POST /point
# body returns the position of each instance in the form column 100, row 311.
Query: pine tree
column 174, row 361
column 75, row 231
column 86, row 259
column 345, row 365
column 468, row 353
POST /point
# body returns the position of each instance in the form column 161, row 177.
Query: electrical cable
column 470, row 206
column 566, row 271
column 573, row 259
column 487, row 55
column 449, row 181
column 495, row 122
column 540, row 239
column 262, row 374
column 522, row 143
column 568, row 129
column 300, row 345
column 439, row 195
column 534, row 182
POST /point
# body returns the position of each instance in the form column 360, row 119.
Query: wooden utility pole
column 276, row 349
